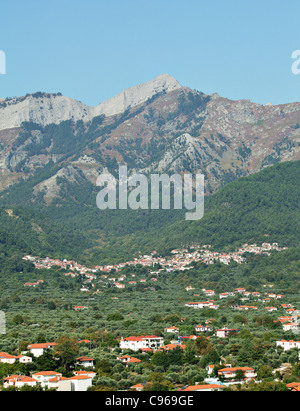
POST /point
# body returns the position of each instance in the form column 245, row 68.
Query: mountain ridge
column 46, row 108
column 165, row 128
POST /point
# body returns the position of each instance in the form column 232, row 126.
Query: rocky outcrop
column 43, row 108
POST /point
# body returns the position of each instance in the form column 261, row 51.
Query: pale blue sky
column 91, row 50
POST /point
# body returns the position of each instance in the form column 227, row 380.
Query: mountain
column 53, row 148
column 263, row 207
column 44, row 108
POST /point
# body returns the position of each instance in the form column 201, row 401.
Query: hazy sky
column 90, row 50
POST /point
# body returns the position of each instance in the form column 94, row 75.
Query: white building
column 45, row 378
column 203, row 304
column 288, row 345
column 290, row 327
column 225, row 332
column 39, row 349
column 76, row 383
column 19, row 381
column 231, row 372
column 24, row 359
column 7, row 358
column 85, row 362
column 139, row 343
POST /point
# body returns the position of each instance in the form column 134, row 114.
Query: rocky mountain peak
column 44, row 108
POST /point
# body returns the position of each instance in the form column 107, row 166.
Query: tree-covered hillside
column 263, row 207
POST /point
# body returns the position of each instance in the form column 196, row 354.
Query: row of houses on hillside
column 81, row 381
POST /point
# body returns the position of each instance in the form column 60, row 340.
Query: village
column 136, row 352
column 180, row 259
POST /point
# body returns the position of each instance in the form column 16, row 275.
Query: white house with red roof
column 138, row 387
column 127, row 359
column 7, row 358
column 39, row 349
column 19, row 381
column 23, row 359
column 288, row 344
column 138, row 343
column 208, row 293
column 44, row 377
column 77, row 383
column 230, row 373
column 85, row 362
column 201, row 304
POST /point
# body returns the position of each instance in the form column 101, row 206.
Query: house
column 208, row 293
column 290, row 327
column 91, row 374
column 126, row 359
column 24, row 359
column 270, row 309
column 207, row 387
column 240, row 290
column 190, row 337
column 84, row 341
column 224, row 295
column 39, row 349
column 170, row 347
column 85, row 362
column 246, row 307
column 132, row 360
column 7, row 358
column 77, row 383
column 230, row 373
column 138, row 343
column 225, row 332
column 119, row 285
column 19, row 381
column 294, row 386
column 80, row 308
column 44, row 377
column 138, row 387
column 288, row 345
column 203, row 304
